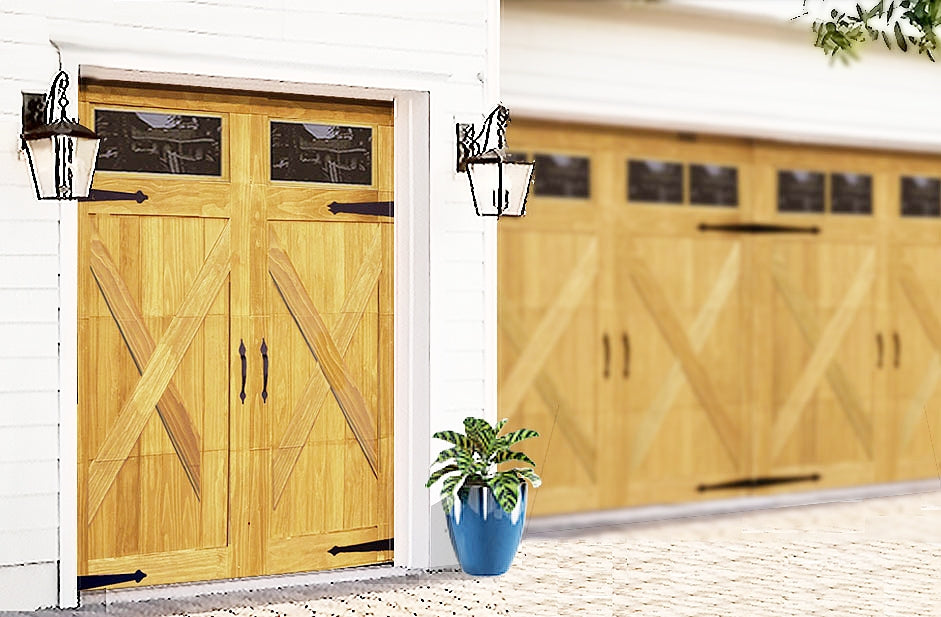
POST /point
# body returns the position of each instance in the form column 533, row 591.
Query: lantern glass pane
column 42, row 161
column 83, row 165
column 483, row 181
column 516, row 178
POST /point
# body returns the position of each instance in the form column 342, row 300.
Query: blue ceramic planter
column 485, row 537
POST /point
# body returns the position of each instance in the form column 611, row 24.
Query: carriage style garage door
column 686, row 317
column 235, row 335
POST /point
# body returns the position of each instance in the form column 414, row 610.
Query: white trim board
column 573, row 524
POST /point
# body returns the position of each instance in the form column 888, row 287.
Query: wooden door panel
column 549, row 359
column 327, row 468
column 822, row 322
column 680, row 299
column 913, row 355
column 151, row 388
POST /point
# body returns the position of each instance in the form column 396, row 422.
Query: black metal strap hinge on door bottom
column 98, row 195
column 365, row 547
column 94, row 581
column 758, row 482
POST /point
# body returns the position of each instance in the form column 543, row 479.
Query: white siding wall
column 447, row 49
column 725, row 66
column 29, row 374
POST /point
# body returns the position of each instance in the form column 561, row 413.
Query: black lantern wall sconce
column 499, row 181
column 61, row 152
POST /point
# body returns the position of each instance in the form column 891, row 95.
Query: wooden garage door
column 724, row 342
column 235, row 336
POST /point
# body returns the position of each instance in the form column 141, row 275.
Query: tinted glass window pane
column 800, row 191
column 713, row 185
column 921, row 196
column 159, row 143
column 558, row 175
column 655, row 181
column 851, row 193
column 321, row 153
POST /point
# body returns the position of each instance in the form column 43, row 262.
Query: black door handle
column 244, row 368
column 264, row 370
column 879, row 350
column 897, row 362
column 606, row 343
column 626, row 341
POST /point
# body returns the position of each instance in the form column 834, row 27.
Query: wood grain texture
column 822, row 356
column 673, row 332
column 324, row 349
column 140, row 344
column 803, row 314
column 549, row 329
column 164, row 361
column 921, row 303
column 567, row 415
column 307, row 408
column 728, row 279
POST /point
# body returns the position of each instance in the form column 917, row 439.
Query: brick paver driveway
column 873, row 557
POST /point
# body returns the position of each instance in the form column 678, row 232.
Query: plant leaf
column 506, row 489
column 480, row 430
column 506, row 455
column 517, row 436
column 440, row 472
column 530, row 475
column 446, row 455
column 466, row 463
column 454, row 437
column 900, row 38
column 448, row 489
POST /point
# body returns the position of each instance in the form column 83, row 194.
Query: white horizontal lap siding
column 375, row 35
column 669, row 67
column 440, row 48
column 29, row 332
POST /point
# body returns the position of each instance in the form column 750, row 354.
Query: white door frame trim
column 411, row 97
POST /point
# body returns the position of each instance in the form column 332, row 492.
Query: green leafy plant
column 473, row 458
column 902, row 24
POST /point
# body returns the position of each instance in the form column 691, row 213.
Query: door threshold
column 563, row 525
column 235, row 588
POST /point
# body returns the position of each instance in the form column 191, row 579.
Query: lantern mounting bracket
column 471, row 145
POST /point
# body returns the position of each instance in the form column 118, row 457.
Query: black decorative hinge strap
column 759, row 228
column 758, row 482
column 93, row 581
column 374, row 208
column 98, row 195
column 365, row 547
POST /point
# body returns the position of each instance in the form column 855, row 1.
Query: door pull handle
column 897, row 340
column 244, row 368
column 606, row 343
column 879, row 350
column 264, row 370
column 626, row 341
